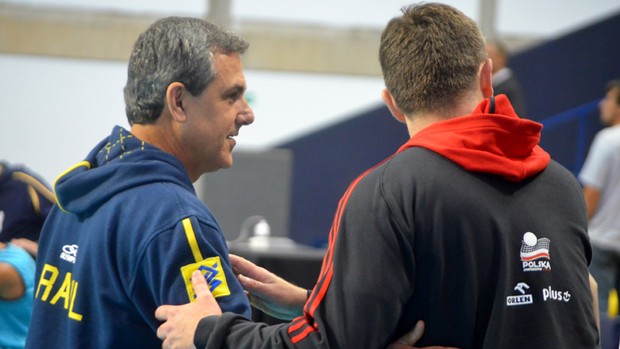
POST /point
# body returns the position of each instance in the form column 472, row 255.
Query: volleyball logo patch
column 535, row 253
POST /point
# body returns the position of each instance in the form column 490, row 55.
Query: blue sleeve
column 45, row 196
column 162, row 274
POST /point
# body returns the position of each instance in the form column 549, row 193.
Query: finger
column 248, row 284
column 253, row 286
column 163, row 312
column 162, row 332
column 200, row 284
column 411, row 337
column 245, row 267
column 234, row 259
column 242, row 265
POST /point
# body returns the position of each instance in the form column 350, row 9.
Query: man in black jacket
column 469, row 226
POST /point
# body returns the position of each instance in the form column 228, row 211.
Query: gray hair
column 173, row 49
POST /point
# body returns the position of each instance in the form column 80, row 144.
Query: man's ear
column 175, row 99
column 388, row 99
column 486, row 78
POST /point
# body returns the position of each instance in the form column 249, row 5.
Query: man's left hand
column 177, row 332
column 410, row 338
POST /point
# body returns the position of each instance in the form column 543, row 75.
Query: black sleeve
column 359, row 297
column 233, row 331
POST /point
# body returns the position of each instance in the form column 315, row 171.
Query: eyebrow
column 234, row 91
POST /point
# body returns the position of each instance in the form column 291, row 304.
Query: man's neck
column 416, row 123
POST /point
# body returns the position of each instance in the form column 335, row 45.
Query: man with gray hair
column 128, row 229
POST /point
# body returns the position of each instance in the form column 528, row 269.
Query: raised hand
column 267, row 291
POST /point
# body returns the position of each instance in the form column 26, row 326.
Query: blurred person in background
column 600, row 176
column 25, row 202
column 16, row 293
column 504, row 81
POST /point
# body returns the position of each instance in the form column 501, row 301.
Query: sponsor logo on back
column 522, row 298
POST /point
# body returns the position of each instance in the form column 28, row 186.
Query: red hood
column 493, row 139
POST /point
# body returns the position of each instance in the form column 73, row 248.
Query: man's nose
column 247, row 115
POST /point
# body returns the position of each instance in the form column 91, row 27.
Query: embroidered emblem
column 212, row 269
column 535, row 253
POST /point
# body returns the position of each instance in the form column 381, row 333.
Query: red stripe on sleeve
column 297, row 324
column 307, row 322
column 302, row 335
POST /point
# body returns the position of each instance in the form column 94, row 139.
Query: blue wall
column 567, row 136
column 569, row 71
column 326, row 162
column 563, row 80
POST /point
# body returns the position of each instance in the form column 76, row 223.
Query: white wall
column 550, row 18
column 55, row 110
column 514, row 17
